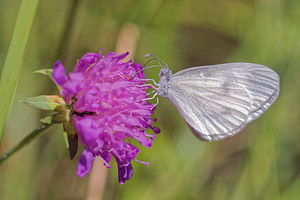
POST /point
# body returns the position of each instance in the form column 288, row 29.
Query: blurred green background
column 262, row 162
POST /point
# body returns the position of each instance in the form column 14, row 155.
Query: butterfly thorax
column 165, row 75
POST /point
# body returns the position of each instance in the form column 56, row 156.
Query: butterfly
column 218, row 101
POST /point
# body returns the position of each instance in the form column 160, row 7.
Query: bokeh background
column 262, row 162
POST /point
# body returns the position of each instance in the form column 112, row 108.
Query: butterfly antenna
column 153, row 58
column 148, row 61
column 156, row 58
column 146, row 68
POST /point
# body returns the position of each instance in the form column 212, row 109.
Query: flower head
column 106, row 98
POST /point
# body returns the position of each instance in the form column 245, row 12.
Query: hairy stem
column 23, row 142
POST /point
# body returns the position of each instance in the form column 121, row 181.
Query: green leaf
column 46, row 102
column 15, row 56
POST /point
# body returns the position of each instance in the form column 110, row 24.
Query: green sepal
column 73, row 145
column 46, row 102
column 46, row 120
column 60, row 117
column 72, row 138
column 47, row 72
column 66, row 139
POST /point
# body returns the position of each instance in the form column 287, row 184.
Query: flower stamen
column 142, row 162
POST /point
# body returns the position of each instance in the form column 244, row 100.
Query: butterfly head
column 165, row 73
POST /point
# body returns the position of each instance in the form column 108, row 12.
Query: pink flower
column 106, row 98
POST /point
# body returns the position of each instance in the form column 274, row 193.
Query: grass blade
column 14, row 59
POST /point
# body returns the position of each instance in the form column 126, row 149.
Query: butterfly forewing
column 218, row 101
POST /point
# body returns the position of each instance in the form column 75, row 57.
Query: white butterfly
column 218, row 101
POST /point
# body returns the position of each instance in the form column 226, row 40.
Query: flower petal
column 72, row 86
column 85, row 163
column 125, row 172
column 59, row 73
column 86, row 61
column 138, row 67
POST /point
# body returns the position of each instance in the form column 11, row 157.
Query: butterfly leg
column 148, row 84
column 150, row 97
column 152, row 81
column 151, row 92
column 157, row 101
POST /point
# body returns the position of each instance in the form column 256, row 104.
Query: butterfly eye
column 161, row 73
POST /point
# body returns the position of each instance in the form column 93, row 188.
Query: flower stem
column 23, row 142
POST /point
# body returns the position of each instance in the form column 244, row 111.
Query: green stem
column 14, row 60
column 23, row 142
